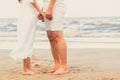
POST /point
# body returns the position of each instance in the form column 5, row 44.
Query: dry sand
column 83, row 64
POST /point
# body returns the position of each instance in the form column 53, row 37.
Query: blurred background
column 86, row 19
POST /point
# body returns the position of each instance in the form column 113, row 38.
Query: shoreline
column 9, row 41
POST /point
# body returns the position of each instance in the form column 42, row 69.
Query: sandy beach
column 88, row 59
column 83, row 64
column 93, row 50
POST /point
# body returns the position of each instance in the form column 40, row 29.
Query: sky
column 75, row 8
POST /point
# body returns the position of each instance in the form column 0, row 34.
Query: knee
column 50, row 37
column 55, row 37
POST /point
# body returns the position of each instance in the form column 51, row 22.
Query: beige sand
column 83, row 64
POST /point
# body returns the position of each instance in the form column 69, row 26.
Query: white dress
column 26, row 30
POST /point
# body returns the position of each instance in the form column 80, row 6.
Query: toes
column 51, row 71
column 30, row 73
column 60, row 73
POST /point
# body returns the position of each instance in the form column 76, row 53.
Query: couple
column 53, row 14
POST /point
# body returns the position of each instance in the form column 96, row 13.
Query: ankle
column 63, row 66
column 25, row 70
column 57, row 64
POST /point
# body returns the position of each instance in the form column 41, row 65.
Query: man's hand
column 48, row 14
column 41, row 17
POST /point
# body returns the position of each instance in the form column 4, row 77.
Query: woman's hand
column 41, row 17
column 48, row 14
column 38, row 8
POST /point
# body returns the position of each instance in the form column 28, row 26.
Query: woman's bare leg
column 27, row 70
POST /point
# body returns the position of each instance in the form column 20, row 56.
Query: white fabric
column 31, row 1
column 26, row 31
column 58, row 15
column 27, row 1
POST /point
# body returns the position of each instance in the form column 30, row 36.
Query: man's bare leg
column 60, row 50
column 54, row 53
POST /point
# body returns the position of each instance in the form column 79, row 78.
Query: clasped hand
column 47, row 15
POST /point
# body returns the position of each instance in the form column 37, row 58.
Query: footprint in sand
column 37, row 66
column 13, row 70
column 108, row 78
column 78, row 69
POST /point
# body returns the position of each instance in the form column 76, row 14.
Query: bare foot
column 30, row 72
column 61, row 70
column 52, row 70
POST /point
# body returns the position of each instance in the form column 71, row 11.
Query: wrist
column 50, row 7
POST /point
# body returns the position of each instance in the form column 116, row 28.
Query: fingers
column 43, row 20
column 43, row 14
column 40, row 17
column 49, row 17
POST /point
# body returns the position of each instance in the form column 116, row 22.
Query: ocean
column 84, row 27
